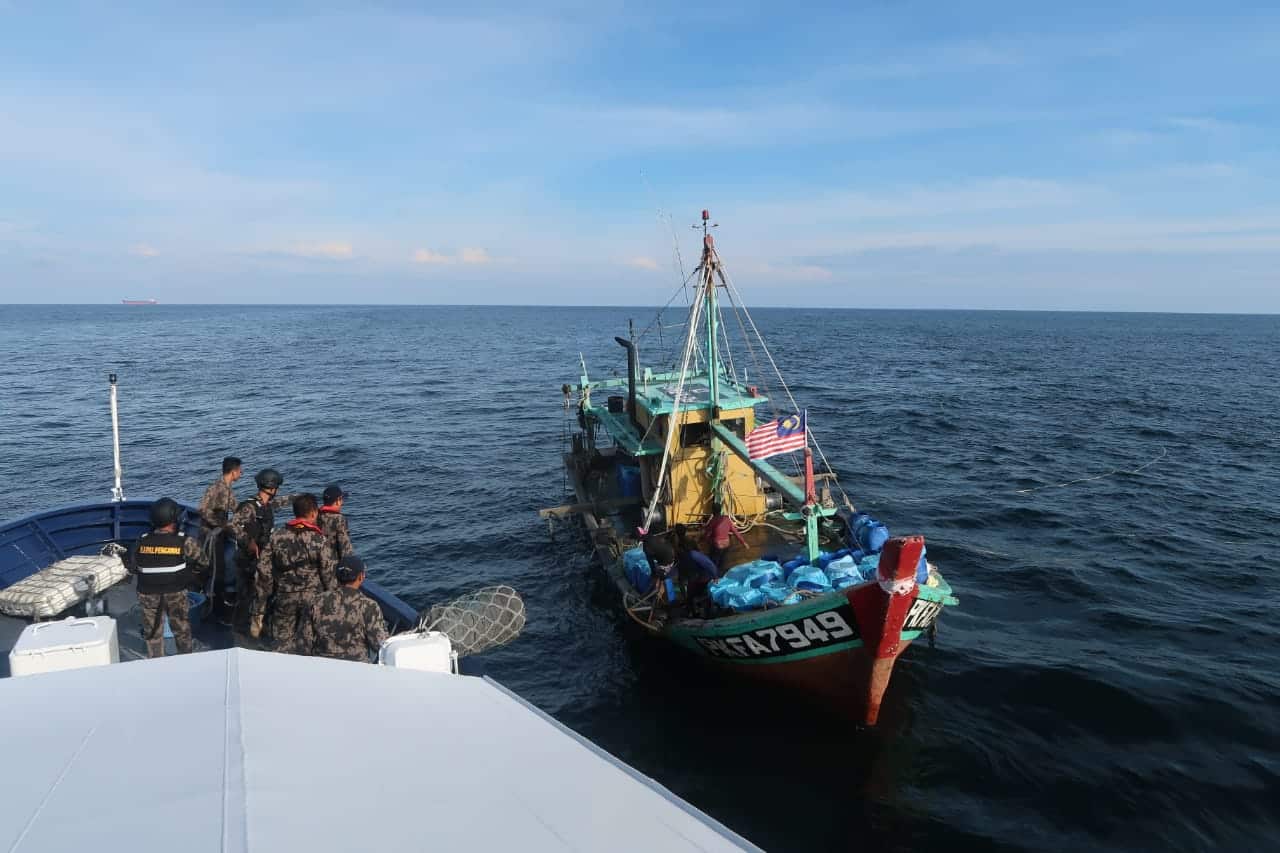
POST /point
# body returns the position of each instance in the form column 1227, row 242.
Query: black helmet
column 350, row 568
column 165, row 512
column 269, row 478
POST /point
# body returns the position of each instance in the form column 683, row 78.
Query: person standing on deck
column 334, row 523
column 719, row 533
column 293, row 569
column 216, row 506
column 166, row 563
column 251, row 526
column 344, row 623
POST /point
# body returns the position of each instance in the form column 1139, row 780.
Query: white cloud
column 1259, row 233
column 916, row 202
column 1125, row 138
column 465, row 255
column 1204, row 170
column 642, row 263
column 427, row 256
column 1203, row 124
column 788, row 272
column 143, row 250
column 332, row 251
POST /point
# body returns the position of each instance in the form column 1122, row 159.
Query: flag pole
column 810, row 510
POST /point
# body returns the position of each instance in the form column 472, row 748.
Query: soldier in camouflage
column 344, row 623
column 166, row 563
column 293, row 569
column 218, row 502
column 334, row 523
column 251, row 526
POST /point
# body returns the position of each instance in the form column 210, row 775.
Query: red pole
column 810, row 491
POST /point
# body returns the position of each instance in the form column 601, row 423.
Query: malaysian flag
column 778, row 436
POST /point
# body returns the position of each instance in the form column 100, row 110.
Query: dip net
column 478, row 621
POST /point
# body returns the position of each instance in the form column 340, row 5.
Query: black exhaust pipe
column 633, row 366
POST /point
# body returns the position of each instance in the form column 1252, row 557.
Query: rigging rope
column 772, row 363
column 673, row 424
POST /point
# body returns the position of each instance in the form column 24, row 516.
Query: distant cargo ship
column 140, row 301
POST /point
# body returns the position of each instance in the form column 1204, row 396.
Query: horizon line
column 643, row 307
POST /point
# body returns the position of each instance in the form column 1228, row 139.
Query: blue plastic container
column 629, row 481
column 635, row 566
column 868, row 534
column 195, row 603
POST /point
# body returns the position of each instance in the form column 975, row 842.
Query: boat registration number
column 921, row 614
column 812, row 632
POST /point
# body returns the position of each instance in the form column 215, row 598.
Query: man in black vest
column 166, row 563
column 251, row 525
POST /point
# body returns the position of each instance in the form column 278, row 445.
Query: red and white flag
column 782, row 435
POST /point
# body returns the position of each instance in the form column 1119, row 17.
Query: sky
column 1110, row 156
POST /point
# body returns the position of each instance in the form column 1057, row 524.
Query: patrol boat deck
column 233, row 750
column 30, row 545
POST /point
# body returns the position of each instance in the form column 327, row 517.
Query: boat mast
column 709, row 269
column 117, row 492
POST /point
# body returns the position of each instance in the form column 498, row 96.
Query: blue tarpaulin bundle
column 867, row 534
column 752, row 585
column 635, row 566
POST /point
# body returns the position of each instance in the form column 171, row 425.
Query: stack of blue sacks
column 767, row 582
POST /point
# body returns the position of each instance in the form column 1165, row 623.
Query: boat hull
column 826, row 647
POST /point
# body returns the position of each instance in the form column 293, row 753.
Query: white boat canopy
column 237, row 750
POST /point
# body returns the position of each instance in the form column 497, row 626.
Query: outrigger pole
column 117, row 492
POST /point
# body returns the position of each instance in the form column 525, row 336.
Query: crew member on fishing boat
column 344, row 623
column 216, row 506
column 166, row 563
column 720, row 533
column 295, row 566
column 697, row 570
column 334, row 523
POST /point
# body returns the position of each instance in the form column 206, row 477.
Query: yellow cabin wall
column 690, row 498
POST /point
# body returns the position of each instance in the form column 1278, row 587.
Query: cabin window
column 738, row 426
column 693, row 435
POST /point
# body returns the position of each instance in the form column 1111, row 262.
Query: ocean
column 1101, row 490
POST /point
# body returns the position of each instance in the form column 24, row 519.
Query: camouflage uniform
column 218, row 502
column 343, row 623
column 251, row 525
column 293, row 569
column 159, row 595
column 334, row 525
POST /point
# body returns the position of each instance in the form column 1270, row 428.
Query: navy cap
column 350, row 568
column 333, row 493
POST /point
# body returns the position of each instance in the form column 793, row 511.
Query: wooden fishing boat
column 655, row 450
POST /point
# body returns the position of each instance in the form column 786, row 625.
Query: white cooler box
column 68, row 644
column 430, row 651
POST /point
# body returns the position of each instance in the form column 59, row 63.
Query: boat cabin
column 640, row 424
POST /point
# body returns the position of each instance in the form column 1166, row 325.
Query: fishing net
column 478, row 621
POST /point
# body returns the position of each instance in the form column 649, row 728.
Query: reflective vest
column 161, row 564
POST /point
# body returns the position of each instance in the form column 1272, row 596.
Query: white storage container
column 430, row 651
column 68, row 644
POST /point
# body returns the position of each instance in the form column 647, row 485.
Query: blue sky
column 994, row 155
